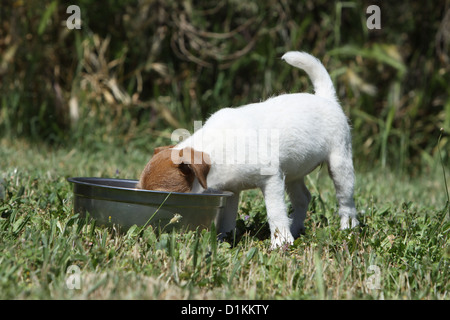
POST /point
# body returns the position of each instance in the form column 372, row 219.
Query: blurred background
column 138, row 69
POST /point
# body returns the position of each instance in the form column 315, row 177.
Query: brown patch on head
column 175, row 170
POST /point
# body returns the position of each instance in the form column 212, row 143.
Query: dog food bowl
column 117, row 202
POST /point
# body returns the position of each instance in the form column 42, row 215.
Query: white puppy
column 270, row 145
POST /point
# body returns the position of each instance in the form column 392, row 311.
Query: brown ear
column 159, row 149
column 199, row 162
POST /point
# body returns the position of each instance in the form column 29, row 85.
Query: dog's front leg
column 226, row 221
column 279, row 222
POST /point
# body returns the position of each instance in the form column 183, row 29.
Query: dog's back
column 306, row 126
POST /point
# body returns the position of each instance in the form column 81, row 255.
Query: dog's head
column 175, row 170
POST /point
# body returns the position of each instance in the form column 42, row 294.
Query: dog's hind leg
column 300, row 198
column 340, row 166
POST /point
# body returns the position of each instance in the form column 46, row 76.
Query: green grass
column 400, row 252
column 103, row 96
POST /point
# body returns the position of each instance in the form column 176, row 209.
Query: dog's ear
column 159, row 149
column 197, row 162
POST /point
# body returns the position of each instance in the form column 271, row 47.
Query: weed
column 401, row 252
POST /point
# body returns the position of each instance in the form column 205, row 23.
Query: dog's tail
column 323, row 86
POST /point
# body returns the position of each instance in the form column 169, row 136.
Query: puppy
column 271, row 145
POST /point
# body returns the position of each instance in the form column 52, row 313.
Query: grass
column 400, row 252
column 172, row 64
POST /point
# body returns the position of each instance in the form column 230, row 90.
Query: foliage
column 401, row 251
column 94, row 102
column 140, row 68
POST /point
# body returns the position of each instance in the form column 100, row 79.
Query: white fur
column 306, row 130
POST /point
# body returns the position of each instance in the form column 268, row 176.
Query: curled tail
column 323, row 86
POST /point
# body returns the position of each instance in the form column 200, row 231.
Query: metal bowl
column 117, row 202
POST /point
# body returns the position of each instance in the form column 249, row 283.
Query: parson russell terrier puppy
column 271, row 145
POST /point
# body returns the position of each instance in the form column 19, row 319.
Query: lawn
column 95, row 101
column 401, row 251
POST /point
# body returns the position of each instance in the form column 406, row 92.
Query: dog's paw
column 281, row 238
column 347, row 223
